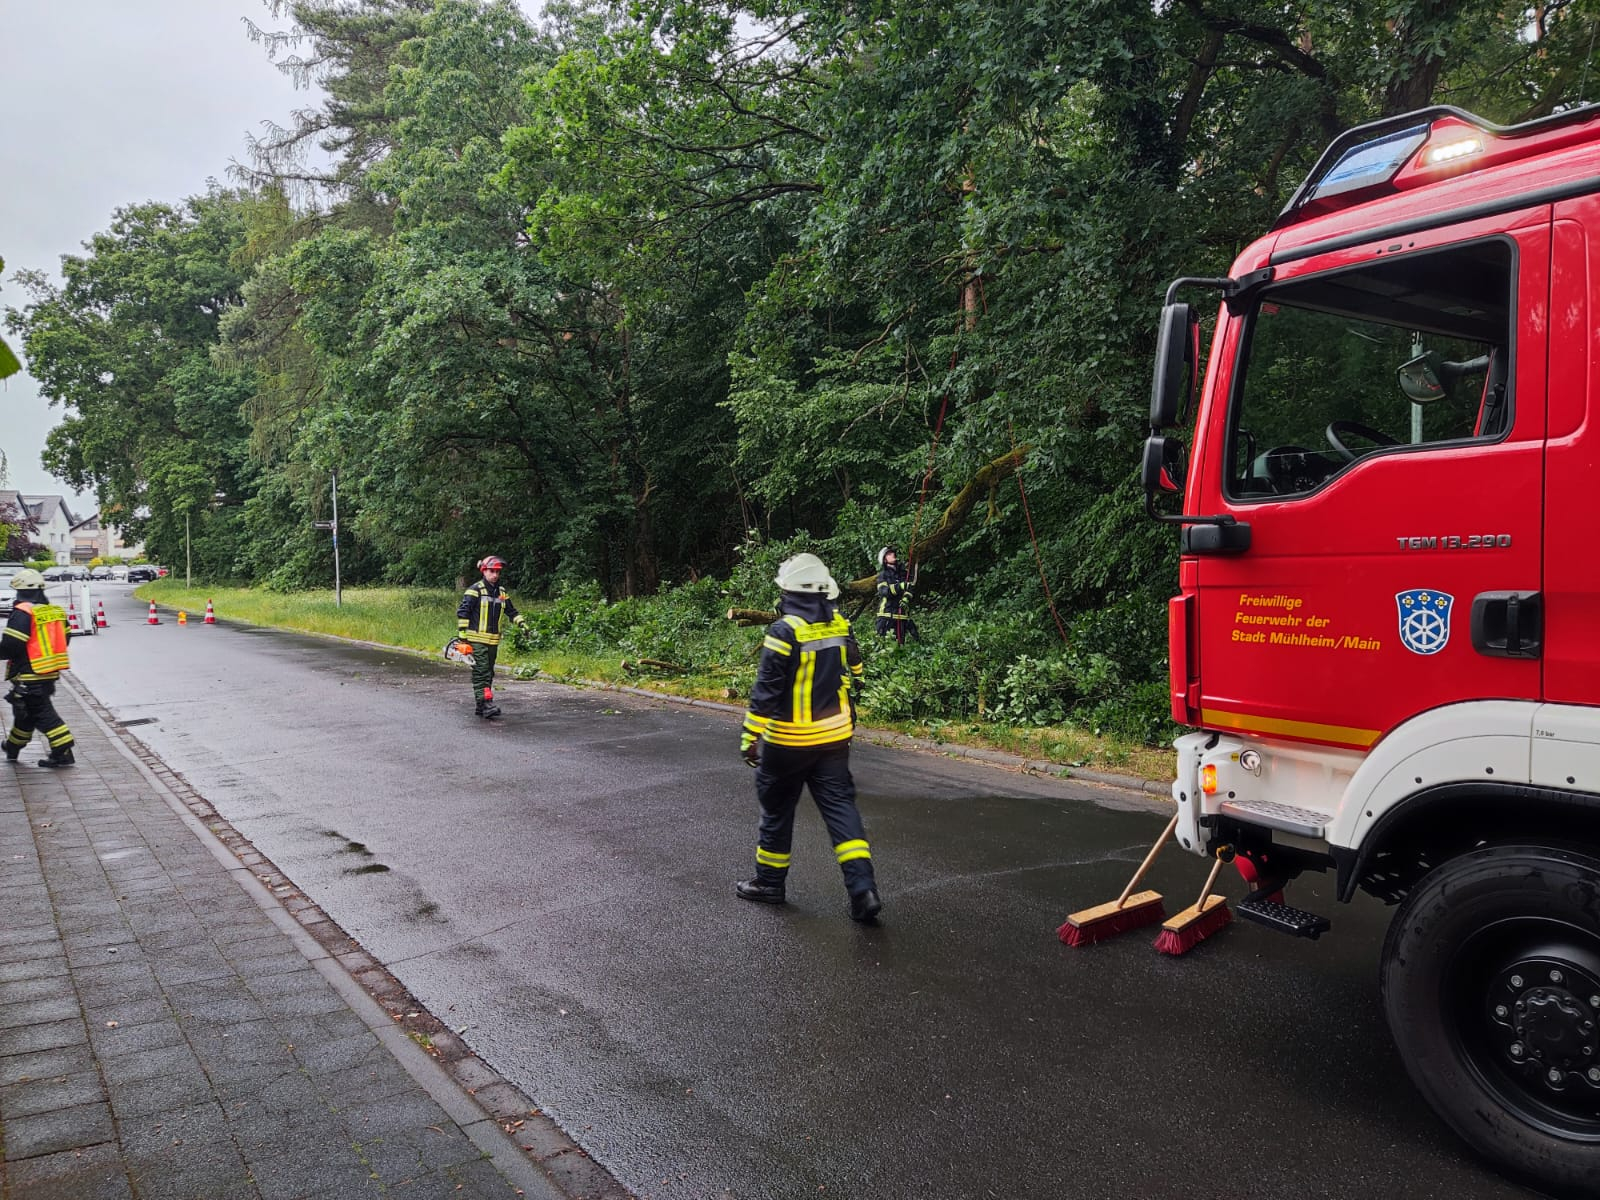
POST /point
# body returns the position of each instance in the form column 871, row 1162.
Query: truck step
column 1282, row 917
column 1307, row 822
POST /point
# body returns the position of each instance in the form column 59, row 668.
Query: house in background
column 54, row 520
column 94, row 538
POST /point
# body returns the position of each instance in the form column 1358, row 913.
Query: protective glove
column 750, row 748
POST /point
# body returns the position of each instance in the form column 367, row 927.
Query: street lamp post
column 333, row 527
column 338, row 596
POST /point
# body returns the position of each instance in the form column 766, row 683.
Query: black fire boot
column 759, row 891
column 59, row 758
column 865, row 906
column 488, row 709
column 12, row 752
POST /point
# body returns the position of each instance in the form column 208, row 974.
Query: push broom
column 1182, row 933
column 1131, row 910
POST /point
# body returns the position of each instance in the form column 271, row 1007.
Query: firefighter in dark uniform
column 894, row 598
column 797, row 734
column 478, row 620
column 34, row 646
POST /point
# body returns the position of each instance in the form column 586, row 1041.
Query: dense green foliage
column 643, row 296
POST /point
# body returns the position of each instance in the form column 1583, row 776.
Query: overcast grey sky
column 105, row 103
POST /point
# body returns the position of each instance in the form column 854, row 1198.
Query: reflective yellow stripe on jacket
column 819, row 713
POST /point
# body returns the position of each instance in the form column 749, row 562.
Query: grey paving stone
column 92, row 1173
column 281, row 983
column 121, row 951
column 410, row 1110
column 361, row 1085
column 31, row 1038
column 229, row 1182
column 29, row 951
column 98, row 987
column 125, row 1039
column 24, row 1013
column 329, row 1027
column 478, row 1178
column 35, row 1096
column 46, row 1064
column 184, row 1153
column 20, row 934
column 146, row 1064
column 189, row 965
column 159, row 1093
column 61, row 1129
column 23, row 991
column 304, row 1004
column 129, row 1012
column 322, row 1057
column 47, row 966
column 174, row 935
column 271, row 1118
column 426, row 1185
column 320, row 1167
column 401, row 1151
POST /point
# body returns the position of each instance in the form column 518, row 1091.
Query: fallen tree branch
column 955, row 515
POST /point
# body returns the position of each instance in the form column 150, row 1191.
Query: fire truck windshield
column 1332, row 366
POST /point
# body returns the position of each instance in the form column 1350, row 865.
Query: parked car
column 101, row 572
column 163, row 572
column 8, row 594
column 142, row 574
column 119, row 574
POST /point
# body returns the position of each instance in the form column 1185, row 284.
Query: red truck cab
column 1388, row 632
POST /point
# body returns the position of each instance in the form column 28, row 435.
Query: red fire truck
column 1388, row 632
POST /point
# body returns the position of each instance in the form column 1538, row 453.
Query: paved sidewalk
column 168, row 1030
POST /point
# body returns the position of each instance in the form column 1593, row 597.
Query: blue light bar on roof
column 1370, row 163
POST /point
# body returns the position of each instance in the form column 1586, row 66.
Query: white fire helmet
column 806, row 573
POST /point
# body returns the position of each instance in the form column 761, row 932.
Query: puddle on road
column 349, row 846
column 357, row 848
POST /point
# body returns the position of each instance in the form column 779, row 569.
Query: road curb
column 526, row 1146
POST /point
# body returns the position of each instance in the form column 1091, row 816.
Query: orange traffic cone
column 152, row 619
column 211, row 617
column 100, row 615
column 183, row 617
column 72, row 618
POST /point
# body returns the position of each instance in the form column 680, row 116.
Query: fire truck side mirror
column 1177, row 351
column 1163, row 467
column 1419, row 378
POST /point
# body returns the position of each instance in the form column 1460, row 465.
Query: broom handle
column 1210, row 879
column 1148, row 859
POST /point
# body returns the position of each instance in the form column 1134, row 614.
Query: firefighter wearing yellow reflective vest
column 34, row 646
column 478, row 619
column 797, row 735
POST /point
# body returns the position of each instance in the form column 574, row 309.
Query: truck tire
column 1491, row 985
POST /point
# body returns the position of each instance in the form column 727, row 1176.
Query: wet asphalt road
column 559, row 884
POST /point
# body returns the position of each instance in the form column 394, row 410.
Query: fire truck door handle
column 1508, row 624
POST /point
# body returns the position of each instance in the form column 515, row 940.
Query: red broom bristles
column 1181, row 941
column 1097, row 929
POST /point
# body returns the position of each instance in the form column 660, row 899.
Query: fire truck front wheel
column 1491, row 984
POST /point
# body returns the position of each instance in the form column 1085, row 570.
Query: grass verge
column 423, row 619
